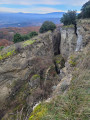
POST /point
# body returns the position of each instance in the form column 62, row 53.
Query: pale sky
column 40, row 6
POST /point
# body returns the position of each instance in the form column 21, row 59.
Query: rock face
column 16, row 67
column 79, row 40
column 27, row 76
column 84, row 26
column 68, row 41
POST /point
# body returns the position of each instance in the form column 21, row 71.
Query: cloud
column 30, row 10
column 44, row 2
column 31, row 2
column 38, row 6
column 75, row 2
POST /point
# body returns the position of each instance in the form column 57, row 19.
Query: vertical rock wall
column 68, row 41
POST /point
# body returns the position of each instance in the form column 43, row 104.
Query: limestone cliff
column 68, row 41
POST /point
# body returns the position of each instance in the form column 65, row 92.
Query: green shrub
column 69, row 18
column 85, row 11
column 79, row 16
column 46, row 26
column 32, row 34
column 1, row 47
column 17, row 38
column 25, row 37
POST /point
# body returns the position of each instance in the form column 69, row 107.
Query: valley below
column 28, row 19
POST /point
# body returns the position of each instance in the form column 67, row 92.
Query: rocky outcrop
column 84, row 26
column 68, row 41
column 27, row 74
column 79, row 40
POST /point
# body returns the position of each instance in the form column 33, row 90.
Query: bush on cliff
column 85, row 11
column 32, row 34
column 1, row 47
column 25, row 37
column 69, row 18
column 19, row 38
column 46, row 26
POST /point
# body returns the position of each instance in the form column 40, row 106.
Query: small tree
column 32, row 34
column 69, row 18
column 46, row 26
column 85, row 11
column 79, row 16
column 25, row 37
column 1, row 47
column 17, row 38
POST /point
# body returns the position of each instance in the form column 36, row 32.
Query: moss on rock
column 35, row 76
column 28, row 42
column 72, row 61
column 68, row 26
column 7, row 54
column 38, row 112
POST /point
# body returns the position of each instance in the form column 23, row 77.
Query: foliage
column 25, row 37
column 1, row 47
column 85, row 10
column 32, row 34
column 17, row 38
column 69, row 18
column 46, row 26
column 79, row 16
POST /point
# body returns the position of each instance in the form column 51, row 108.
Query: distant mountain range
column 28, row 19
